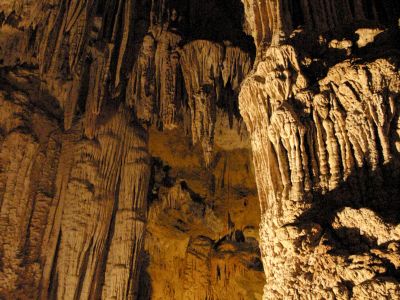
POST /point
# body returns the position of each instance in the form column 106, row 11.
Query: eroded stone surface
column 317, row 150
column 84, row 83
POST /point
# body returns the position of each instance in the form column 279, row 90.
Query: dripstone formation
column 143, row 142
column 322, row 109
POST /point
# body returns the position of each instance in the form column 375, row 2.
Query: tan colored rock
column 201, row 61
column 367, row 36
column 305, row 148
column 368, row 223
column 84, row 83
column 48, row 180
column 141, row 87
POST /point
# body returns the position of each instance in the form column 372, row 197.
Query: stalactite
column 201, row 61
column 97, row 91
column 141, row 88
column 167, row 77
column 237, row 64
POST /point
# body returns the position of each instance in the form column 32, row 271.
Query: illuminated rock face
column 316, row 155
column 95, row 95
column 326, row 155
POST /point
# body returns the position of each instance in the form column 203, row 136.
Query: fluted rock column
column 316, row 154
column 29, row 151
column 98, row 215
column 124, row 257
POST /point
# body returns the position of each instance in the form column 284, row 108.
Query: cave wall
column 84, row 84
column 322, row 109
column 84, row 87
column 68, row 202
column 202, row 224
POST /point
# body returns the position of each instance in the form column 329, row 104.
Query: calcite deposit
column 325, row 148
column 183, row 149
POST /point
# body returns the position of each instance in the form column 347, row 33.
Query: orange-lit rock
column 143, row 143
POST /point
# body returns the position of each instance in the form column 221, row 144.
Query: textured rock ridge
column 325, row 151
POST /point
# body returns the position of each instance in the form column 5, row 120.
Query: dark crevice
column 99, row 278
column 297, row 14
column 53, row 286
column 82, row 271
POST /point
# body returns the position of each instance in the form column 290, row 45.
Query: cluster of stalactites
column 82, row 55
column 317, row 140
column 141, row 87
column 155, row 85
column 207, row 68
column 84, row 59
column 271, row 21
column 236, row 66
column 155, row 88
column 201, row 61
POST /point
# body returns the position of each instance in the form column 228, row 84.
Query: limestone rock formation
column 61, row 214
column 274, row 20
column 325, row 150
column 126, row 132
column 82, row 85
